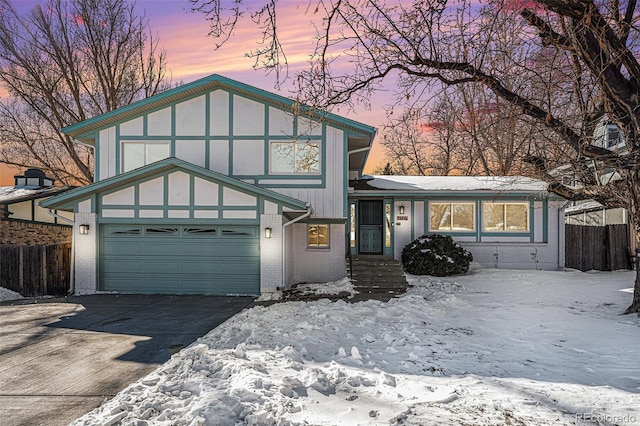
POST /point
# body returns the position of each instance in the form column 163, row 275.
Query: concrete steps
column 377, row 277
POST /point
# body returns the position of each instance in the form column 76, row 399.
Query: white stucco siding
column 248, row 117
column 133, row 127
column 123, row 197
column 318, row 265
column 219, row 156
column 192, row 151
column 248, row 157
column 280, row 122
column 205, row 193
column 219, row 113
column 190, row 117
column 152, row 192
column 179, row 189
column 107, row 153
column 159, row 123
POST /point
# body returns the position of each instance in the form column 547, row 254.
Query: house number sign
column 402, row 218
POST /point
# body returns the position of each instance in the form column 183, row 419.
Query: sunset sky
column 191, row 55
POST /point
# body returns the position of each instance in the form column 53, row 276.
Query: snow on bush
column 435, row 255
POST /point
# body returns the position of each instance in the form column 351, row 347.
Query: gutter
column 291, row 222
column 72, row 274
column 355, row 151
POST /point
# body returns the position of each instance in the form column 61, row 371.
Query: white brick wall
column 271, row 253
column 318, row 265
column 85, row 254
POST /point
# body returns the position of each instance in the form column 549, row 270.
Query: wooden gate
column 601, row 248
column 36, row 270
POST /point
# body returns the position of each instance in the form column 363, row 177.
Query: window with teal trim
column 452, row 216
column 294, row 157
column 505, row 217
column 140, row 153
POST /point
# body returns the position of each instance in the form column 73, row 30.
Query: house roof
column 66, row 200
column 12, row 194
column 85, row 130
column 448, row 184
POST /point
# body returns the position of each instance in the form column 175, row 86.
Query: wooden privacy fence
column 601, row 248
column 36, row 270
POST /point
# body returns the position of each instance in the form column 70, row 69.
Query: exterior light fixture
column 84, row 229
column 267, row 232
column 401, row 209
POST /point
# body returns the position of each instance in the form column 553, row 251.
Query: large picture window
column 452, row 216
column 138, row 154
column 295, row 157
column 505, row 217
column 318, row 236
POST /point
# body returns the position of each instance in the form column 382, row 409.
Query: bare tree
column 586, row 69
column 62, row 63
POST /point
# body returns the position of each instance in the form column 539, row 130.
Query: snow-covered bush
column 436, row 255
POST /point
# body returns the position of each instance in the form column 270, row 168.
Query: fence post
column 44, row 269
column 21, row 269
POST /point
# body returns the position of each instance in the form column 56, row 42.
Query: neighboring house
column 506, row 222
column 213, row 187
column 22, row 221
column 217, row 187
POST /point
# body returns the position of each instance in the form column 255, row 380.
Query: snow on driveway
column 489, row 348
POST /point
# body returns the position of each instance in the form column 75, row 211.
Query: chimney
column 34, row 179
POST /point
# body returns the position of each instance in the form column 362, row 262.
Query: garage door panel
column 182, row 263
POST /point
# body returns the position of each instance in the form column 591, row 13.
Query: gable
column 174, row 190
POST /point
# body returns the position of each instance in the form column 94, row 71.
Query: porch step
column 377, row 277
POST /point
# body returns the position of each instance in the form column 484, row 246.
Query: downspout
column 561, row 228
column 291, row 222
column 72, row 274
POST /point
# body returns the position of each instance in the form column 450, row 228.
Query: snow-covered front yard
column 488, row 348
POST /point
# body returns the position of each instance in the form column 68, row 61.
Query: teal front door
column 370, row 226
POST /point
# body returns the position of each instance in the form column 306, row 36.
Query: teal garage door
column 219, row 260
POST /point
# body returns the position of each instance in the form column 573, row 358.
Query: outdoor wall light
column 267, row 232
column 401, row 209
column 84, row 229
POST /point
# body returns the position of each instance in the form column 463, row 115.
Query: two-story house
column 217, row 187
column 213, row 187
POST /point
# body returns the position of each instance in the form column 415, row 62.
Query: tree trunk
column 635, row 305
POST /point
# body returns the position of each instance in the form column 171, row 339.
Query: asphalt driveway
column 61, row 358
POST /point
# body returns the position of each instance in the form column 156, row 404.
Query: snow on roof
column 12, row 194
column 589, row 205
column 457, row 183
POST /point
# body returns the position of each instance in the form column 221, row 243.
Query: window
column 318, row 235
column 510, row 217
column 138, row 154
column 452, row 216
column 613, row 136
column 295, row 157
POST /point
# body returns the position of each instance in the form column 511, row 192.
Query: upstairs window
column 505, row 217
column 294, row 157
column 138, row 154
column 613, row 136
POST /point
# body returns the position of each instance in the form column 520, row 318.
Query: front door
column 370, row 226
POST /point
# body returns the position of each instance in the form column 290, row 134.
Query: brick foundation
column 14, row 232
